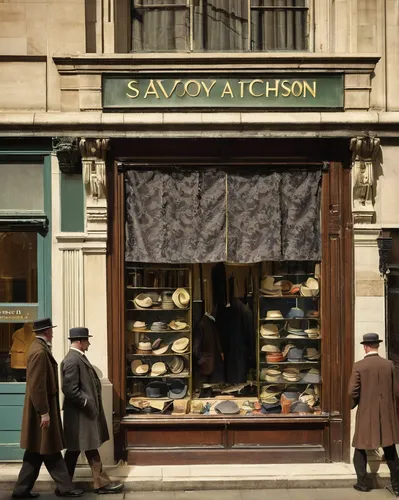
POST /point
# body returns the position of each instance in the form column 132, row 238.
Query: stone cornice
column 261, row 62
column 200, row 124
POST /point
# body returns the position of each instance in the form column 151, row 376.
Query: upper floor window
column 219, row 25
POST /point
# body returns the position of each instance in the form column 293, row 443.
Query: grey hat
column 156, row 390
column 227, row 407
column 295, row 354
column 371, row 338
column 177, row 389
column 300, row 407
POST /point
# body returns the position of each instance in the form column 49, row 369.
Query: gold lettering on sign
column 251, row 87
column 227, row 90
column 133, row 89
column 297, row 85
column 312, row 91
column 241, row 83
column 286, row 88
column 163, row 90
column 151, row 90
column 272, row 89
column 208, row 89
column 187, row 88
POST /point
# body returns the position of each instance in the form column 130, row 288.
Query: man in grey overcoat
column 374, row 390
column 85, row 427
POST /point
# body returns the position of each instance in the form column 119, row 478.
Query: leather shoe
column 29, row 494
column 361, row 487
column 71, row 493
column 110, row 488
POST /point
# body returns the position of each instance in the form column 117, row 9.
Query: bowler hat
column 371, row 338
column 42, row 324
column 79, row 333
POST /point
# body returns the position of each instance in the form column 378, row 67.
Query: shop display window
column 223, row 339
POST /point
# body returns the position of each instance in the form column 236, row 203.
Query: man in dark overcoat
column 84, row 419
column 374, row 390
column 42, row 436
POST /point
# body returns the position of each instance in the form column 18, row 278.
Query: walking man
column 374, row 390
column 84, row 418
column 42, row 435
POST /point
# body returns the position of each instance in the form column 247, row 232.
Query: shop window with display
column 213, row 336
column 219, row 25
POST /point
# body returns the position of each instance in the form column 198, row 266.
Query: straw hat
column 143, row 347
column 313, row 333
column 181, row 298
column 158, row 369
column 292, row 374
column 274, row 315
column 269, row 330
column 160, row 349
column 268, row 287
column 142, row 301
column 178, row 325
column 139, row 326
column 180, row 345
column 285, row 285
column 138, row 367
column 270, row 348
column 311, row 353
column 310, row 288
column 176, row 365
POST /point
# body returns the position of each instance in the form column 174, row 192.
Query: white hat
column 142, row 301
column 269, row 330
column 138, row 368
column 144, row 347
column 178, row 325
column 139, row 326
column 268, row 287
column 180, row 345
column 270, row 348
column 158, row 369
column 310, row 288
column 181, row 298
column 274, row 315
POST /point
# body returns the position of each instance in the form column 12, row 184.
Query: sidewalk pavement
column 281, row 494
column 170, row 478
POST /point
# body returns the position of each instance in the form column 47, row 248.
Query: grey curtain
column 175, row 216
column 274, row 216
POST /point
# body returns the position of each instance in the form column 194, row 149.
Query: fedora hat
column 139, row 326
column 42, row 324
column 158, row 369
column 156, row 389
column 181, row 298
column 176, row 365
column 274, row 315
column 138, row 367
column 268, row 287
column 180, row 345
column 371, row 338
column 313, row 333
column 144, row 347
column 177, row 389
column 79, row 333
column 142, row 301
column 310, row 288
column 295, row 312
column 178, row 325
column 269, row 330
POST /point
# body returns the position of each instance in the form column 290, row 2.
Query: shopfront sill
column 188, row 420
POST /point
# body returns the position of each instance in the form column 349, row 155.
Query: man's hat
column 42, row 324
column 371, row 338
column 79, row 333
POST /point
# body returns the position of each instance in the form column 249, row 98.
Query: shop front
column 230, row 300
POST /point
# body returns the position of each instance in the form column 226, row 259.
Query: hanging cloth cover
column 273, row 215
column 175, row 216
column 252, row 215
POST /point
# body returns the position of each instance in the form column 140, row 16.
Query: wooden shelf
column 166, row 375
column 150, row 309
column 162, row 331
column 287, row 319
column 160, row 355
column 156, row 287
column 262, row 296
column 289, row 362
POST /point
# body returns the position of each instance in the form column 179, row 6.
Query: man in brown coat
column 373, row 389
column 42, row 435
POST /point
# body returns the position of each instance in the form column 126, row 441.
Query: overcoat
column 41, row 397
column 374, row 389
column 85, row 426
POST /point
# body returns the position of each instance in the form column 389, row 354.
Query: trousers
column 30, row 469
column 100, row 477
column 391, row 458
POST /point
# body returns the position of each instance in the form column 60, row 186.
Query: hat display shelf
column 158, row 337
column 289, row 334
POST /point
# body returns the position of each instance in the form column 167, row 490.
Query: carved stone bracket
column 68, row 155
column 93, row 153
column 366, row 151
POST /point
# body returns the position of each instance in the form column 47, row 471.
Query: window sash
column 192, row 43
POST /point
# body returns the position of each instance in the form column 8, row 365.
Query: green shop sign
column 311, row 92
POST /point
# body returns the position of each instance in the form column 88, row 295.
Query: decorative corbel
column 68, row 155
column 93, row 153
column 365, row 152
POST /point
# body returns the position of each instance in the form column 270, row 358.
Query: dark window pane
column 160, row 25
column 280, row 27
column 18, row 267
column 221, row 25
